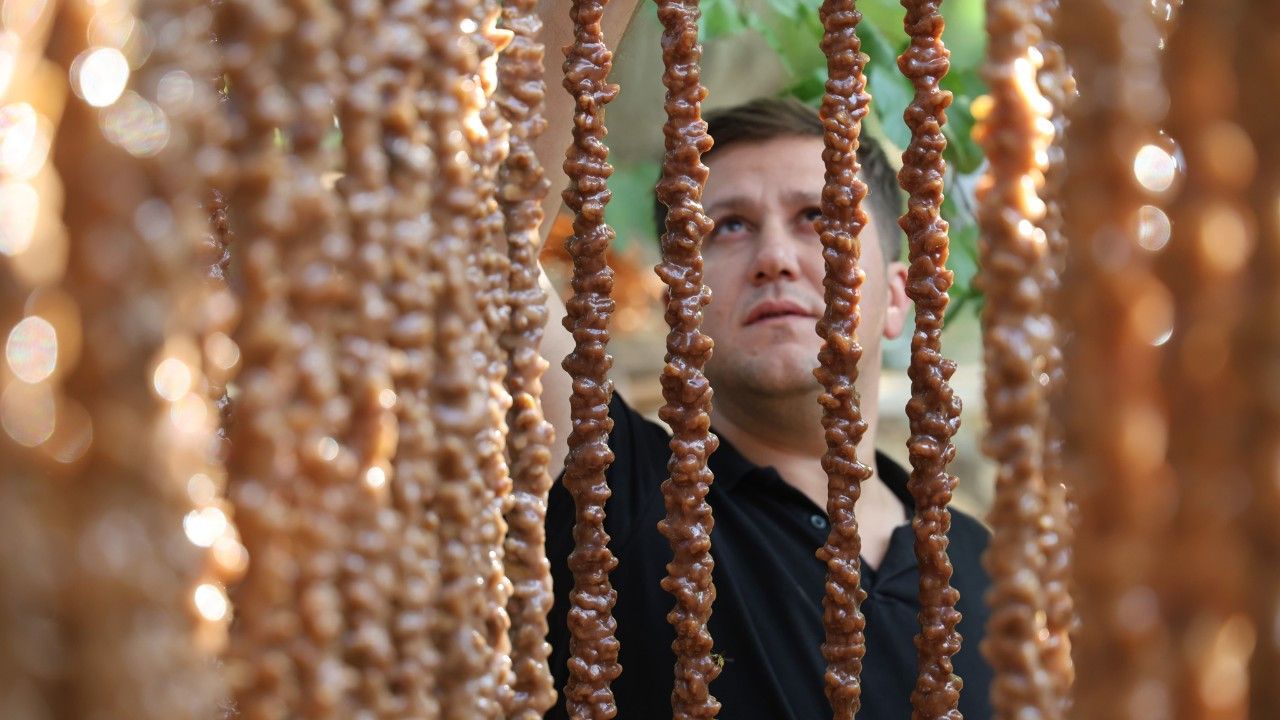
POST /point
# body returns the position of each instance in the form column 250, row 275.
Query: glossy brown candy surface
column 1017, row 338
column 1116, row 309
column 688, row 523
column 594, row 650
column 521, row 190
column 843, row 107
column 934, row 408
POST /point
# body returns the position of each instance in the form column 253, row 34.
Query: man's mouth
column 776, row 310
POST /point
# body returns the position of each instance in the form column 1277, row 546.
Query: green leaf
column 965, row 33
column 811, row 88
column 874, row 128
column 963, row 261
column 885, row 17
column 964, row 82
column 756, row 21
column 810, row 23
column 963, row 152
column 793, row 30
column 630, row 211
column 881, row 31
column 787, row 8
column 720, row 18
column 890, row 93
column 949, row 211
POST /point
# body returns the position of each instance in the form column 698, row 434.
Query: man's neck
column 788, row 436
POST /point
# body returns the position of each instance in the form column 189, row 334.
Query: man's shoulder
column 964, row 526
column 969, row 529
column 967, row 542
column 627, row 421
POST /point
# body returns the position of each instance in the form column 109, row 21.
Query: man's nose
column 776, row 257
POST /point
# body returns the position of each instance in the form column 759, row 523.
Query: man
column 763, row 263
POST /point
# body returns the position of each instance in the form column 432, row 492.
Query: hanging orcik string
column 594, row 650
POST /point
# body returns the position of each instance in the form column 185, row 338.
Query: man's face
column 763, row 263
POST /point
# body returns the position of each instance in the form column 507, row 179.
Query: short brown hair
column 768, row 118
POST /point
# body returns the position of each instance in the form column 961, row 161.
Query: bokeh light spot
column 200, row 489
column 375, row 477
column 100, row 75
column 28, row 412
column 136, row 125
column 172, row 379
column 19, row 209
column 230, row 555
column 1155, row 168
column 21, row 16
column 32, row 349
column 1151, row 313
column 1143, row 436
column 222, row 350
column 211, row 602
column 204, row 526
column 1154, row 228
column 72, row 433
column 25, row 136
column 1225, row 242
column 1224, row 683
column 328, row 448
column 9, row 46
column 189, row 413
column 175, row 91
column 112, row 24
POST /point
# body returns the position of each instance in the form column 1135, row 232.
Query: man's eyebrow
column 733, row 202
column 802, row 197
column 740, row 202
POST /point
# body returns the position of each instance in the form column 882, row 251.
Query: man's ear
column 897, row 304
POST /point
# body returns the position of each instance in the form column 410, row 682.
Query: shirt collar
column 729, row 467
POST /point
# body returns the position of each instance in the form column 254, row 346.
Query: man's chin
column 793, row 380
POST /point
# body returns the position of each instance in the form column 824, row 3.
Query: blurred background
column 770, row 47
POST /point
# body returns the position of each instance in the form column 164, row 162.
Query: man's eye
column 812, row 214
column 729, row 226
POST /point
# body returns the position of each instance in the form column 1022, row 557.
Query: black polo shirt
column 767, row 618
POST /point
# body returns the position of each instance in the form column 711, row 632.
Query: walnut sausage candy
column 1260, row 343
column 594, row 650
column 934, row 409
column 413, row 482
column 688, row 523
column 843, row 108
column 522, row 187
column 1058, row 87
column 1114, row 414
column 290, row 466
column 1207, row 393
column 1016, row 340
column 465, row 625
